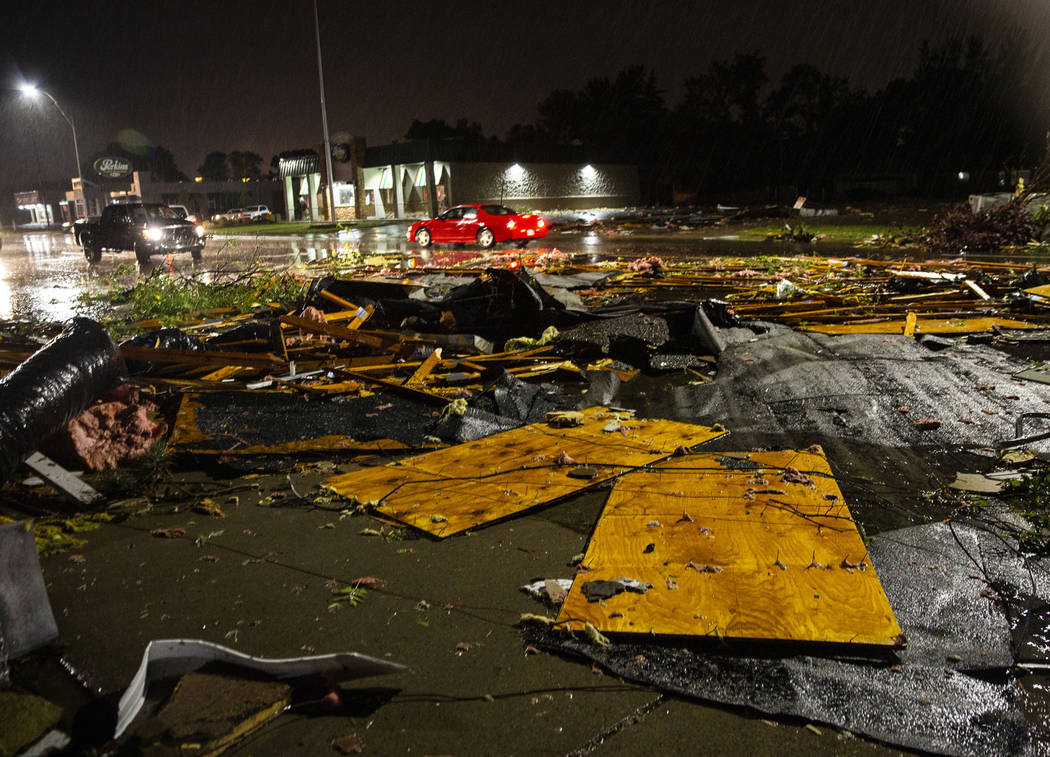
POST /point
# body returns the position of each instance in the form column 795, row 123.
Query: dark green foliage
column 735, row 133
column 1031, row 497
column 215, row 167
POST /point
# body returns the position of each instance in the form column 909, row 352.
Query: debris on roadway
column 752, row 460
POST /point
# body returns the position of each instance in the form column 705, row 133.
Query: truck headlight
column 200, row 231
column 152, row 234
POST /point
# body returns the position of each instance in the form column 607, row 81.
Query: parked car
column 183, row 212
column 255, row 212
column 146, row 228
column 484, row 225
column 233, row 215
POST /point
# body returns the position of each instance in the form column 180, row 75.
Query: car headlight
column 152, row 234
column 200, row 231
column 541, row 223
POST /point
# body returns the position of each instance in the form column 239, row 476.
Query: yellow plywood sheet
column 450, row 490
column 1039, row 291
column 734, row 553
column 923, row 326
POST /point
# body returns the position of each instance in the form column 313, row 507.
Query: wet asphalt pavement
column 43, row 274
column 450, row 607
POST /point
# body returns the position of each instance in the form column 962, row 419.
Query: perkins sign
column 112, row 168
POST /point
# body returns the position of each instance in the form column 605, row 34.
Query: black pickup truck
column 146, row 228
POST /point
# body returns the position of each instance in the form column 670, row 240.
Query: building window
column 344, row 194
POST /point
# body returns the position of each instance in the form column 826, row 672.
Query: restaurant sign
column 112, row 168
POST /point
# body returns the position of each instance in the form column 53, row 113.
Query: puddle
column 1032, row 635
column 1035, row 690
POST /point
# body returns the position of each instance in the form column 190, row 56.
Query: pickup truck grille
column 182, row 237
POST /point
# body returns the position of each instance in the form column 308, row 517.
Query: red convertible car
column 483, row 225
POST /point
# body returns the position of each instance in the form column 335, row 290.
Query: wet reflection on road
column 44, row 275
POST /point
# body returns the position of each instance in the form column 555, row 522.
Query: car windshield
column 160, row 213
column 498, row 210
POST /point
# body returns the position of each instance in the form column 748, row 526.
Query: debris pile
column 492, row 391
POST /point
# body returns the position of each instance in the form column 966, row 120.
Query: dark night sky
column 235, row 75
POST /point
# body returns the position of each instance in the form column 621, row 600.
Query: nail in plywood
column 734, row 550
column 451, row 490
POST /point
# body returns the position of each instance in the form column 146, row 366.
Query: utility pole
column 324, row 122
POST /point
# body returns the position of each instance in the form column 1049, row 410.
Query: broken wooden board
column 734, row 550
column 448, row 491
column 923, row 326
column 58, row 477
column 214, row 358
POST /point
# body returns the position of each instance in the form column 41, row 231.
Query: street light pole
column 324, row 122
column 32, row 90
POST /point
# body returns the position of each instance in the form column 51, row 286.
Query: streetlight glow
column 31, row 90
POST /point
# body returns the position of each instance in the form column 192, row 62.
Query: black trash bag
column 510, row 397
column 720, row 315
column 161, row 339
column 1031, row 278
column 359, row 292
column 1016, row 302
column 506, row 403
column 904, row 285
column 53, row 386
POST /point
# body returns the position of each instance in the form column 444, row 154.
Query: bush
column 960, row 229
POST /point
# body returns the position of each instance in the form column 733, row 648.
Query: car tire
column 486, row 238
column 423, row 237
column 142, row 253
column 92, row 251
column 195, row 254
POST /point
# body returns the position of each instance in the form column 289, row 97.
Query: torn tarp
column 506, row 403
column 862, row 397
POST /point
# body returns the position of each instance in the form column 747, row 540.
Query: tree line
column 736, row 133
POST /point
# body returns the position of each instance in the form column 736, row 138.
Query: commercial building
column 398, row 180
column 422, row 178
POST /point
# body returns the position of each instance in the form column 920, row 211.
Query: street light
column 31, row 90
